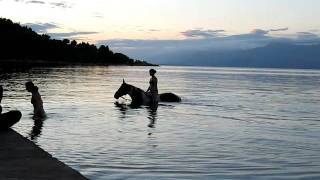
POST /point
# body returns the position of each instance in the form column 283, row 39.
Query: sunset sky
column 155, row 21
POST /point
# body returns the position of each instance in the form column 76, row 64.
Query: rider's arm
column 150, row 82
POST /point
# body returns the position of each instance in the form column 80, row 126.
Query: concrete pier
column 22, row 159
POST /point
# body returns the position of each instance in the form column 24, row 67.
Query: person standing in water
column 36, row 100
column 153, row 87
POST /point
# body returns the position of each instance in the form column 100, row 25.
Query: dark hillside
column 22, row 44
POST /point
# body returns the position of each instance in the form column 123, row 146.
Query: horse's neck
column 136, row 94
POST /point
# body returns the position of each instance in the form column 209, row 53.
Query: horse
column 140, row 97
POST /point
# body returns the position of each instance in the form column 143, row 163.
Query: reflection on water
column 152, row 111
column 122, row 109
column 232, row 123
column 37, row 128
column 152, row 114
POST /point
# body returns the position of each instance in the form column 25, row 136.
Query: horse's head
column 123, row 90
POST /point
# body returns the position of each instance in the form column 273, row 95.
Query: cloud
column 35, row 2
column 264, row 32
column 156, row 49
column 42, row 27
column 259, row 32
column 280, row 29
column 73, row 34
column 307, row 38
column 307, row 35
column 148, row 30
column 97, row 15
column 210, row 40
column 197, row 33
column 256, row 36
column 60, row 4
column 315, row 30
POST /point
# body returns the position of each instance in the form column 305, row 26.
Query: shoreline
column 20, row 158
column 26, row 62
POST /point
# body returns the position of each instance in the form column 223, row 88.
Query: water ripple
column 232, row 123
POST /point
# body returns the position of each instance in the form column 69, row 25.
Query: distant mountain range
column 275, row 55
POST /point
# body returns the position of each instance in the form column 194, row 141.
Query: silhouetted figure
column 140, row 97
column 10, row 118
column 153, row 87
column 36, row 101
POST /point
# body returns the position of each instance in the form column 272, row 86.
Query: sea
column 232, row 123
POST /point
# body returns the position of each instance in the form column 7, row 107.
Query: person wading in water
column 36, row 101
column 153, row 87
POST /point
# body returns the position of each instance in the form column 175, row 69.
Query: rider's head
column 30, row 87
column 152, row 72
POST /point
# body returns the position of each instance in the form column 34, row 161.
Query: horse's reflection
column 152, row 112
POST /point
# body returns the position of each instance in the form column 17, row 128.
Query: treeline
column 22, row 43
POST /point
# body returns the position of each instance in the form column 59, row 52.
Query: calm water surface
column 231, row 124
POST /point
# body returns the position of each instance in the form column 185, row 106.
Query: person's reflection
column 152, row 110
column 37, row 128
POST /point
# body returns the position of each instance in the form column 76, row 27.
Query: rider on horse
column 153, row 88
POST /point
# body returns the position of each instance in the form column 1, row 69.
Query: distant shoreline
column 16, row 63
column 239, row 67
column 22, row 62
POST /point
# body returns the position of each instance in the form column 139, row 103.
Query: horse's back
column 9, row 119
column 169, row 97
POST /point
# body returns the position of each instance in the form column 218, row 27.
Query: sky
column 134, row 26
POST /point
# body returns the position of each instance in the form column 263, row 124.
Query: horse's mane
column 137, row 98
column 139, row 89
